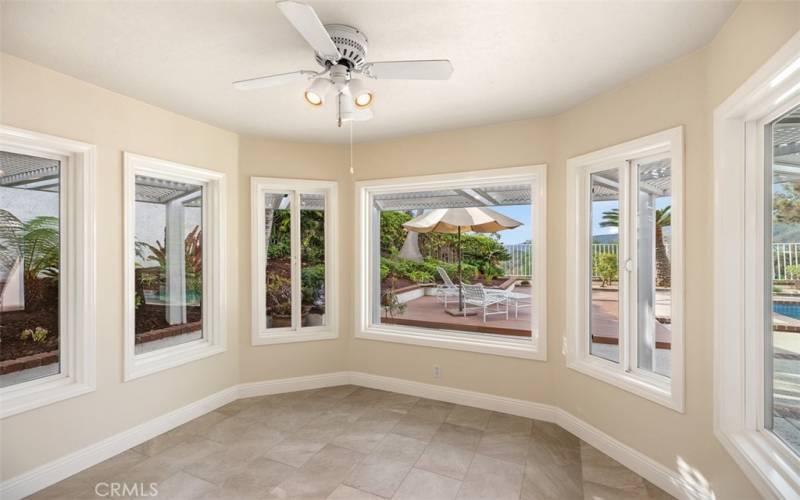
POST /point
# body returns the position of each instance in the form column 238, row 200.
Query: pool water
column 791, row 310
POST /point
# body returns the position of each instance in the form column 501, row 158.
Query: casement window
column 294, row 293
column 47, row 283
column 455, row 261
column 174, row 279
column 757, row 267
column 625, row 283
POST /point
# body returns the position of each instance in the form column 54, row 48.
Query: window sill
column 146, row 364
column 38, row 393
column 472, row 342
column 653, row 390
column 290, row 336
column 770, row 466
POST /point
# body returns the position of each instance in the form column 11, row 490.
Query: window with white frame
column 294, row 290
column 625, row 289
column 756, row 351
column 455, row 260
column 174, row 280
column 46, row 269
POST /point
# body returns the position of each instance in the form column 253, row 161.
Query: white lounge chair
column 477, row 296
column 448, row 289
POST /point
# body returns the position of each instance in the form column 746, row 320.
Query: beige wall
column 681, row 93
column 266, row 158
column 39, row 99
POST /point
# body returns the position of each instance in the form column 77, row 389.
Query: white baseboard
column 50, row 473
column 278, row 386
column 459, row 396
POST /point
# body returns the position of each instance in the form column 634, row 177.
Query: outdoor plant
column 37, row 243
column 279, row 295
column 313, row 283
column 420, row 277
column 606, row 267
column 793, row 273
column 38, row 334
column 663, row 219
column 389, row 301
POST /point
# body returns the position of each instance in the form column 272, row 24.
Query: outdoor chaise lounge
column 479, row 297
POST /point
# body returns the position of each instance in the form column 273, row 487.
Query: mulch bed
column 152, row 317
column 13, row 323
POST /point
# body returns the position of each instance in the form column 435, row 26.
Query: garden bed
column 14, row 322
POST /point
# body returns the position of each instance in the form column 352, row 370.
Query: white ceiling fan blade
column 439, row 69
column 306, row 22
column 273, row 80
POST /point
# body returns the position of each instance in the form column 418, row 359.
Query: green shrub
column 606, row 267
column 312, row 283
column 38, row 335
column 393, row 234
column 420, row 277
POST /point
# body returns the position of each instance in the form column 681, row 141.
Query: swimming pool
column 787, row 309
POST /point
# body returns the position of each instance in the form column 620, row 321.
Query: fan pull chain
column 351, row 147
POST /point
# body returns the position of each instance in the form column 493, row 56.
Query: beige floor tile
column 552, row 482
column 501, row 423
column 344, row 492
column 430, row 409
column 446, row 460
column 320, row 476
column 384, row 469
column 111, row 469
column 507, row 447
column 255, row 479
column 424, row 485
column 491, row 478
column 467, row 416
column 183, row 486
column 295, row 450
column 603, row 470
column 416, row 427
column 456, row 435
column 337, row 392
column 399, row 403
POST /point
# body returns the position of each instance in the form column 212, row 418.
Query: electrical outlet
column 437, row 371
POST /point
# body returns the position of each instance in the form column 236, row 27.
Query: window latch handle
column 629, row 265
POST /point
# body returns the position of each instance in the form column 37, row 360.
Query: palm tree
column 36, row 243
column 663, row 219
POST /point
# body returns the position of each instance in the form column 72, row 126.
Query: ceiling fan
column 341, row 50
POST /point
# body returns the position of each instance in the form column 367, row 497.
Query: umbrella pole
column 460, row 281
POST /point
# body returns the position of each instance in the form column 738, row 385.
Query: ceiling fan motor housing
column 351, row 43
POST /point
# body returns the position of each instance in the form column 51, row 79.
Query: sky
column 521, row 234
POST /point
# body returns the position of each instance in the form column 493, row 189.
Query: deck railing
column 783, row 256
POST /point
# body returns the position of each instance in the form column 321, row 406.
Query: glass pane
column 169, row 263
column 312, row 258
column 416, row 276
column 653, row 232
column 278, row 238
column 604, row 283
column 782, row 344
column 29, row 267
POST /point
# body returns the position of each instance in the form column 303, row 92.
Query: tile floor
column 356, row 443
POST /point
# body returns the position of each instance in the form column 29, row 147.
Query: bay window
column 625, row 285
column 174, row 280
column 46, row 269
column 293, row 237
column 454, row 260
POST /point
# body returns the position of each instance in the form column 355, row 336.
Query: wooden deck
column 427, row 312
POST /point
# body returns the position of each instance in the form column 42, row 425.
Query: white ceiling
column 512, row 60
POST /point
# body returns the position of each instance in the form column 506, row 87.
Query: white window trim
column 214, row 339
column 738, row 274
column 533, row 348
column 77, row 274
column 667, row 391
column 260, row 335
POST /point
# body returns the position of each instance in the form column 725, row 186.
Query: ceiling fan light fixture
column 315, row 94
column 362, row 96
